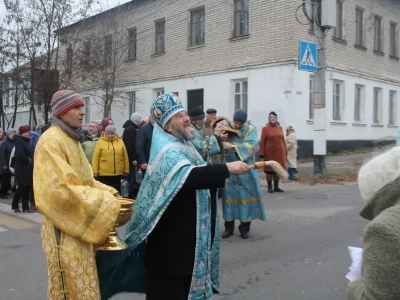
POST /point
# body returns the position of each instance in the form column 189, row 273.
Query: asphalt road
column 300, row 252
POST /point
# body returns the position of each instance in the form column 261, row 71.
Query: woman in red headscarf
column 273, row 147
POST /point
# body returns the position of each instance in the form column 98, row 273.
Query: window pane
column 237, row 101
column 241, row 17
column 244, row 87
column 197, row 27
column 132, row 44
column 237, row 87
column 244, row 106
column 339, row 16
column 359, row 27
column 393, row 40
column 160, row 37
column 376, row 106
column 377, row 34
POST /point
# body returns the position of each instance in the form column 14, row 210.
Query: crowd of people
column 188, row 159
column 16, row 162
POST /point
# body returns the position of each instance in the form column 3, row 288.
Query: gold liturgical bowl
column 113, row 242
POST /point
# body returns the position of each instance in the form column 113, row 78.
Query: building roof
column 125, row 6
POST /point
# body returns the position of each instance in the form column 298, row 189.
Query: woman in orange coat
column 273, row 147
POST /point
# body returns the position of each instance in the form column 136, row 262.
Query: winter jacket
column 5, row 152
column 143, row 143
column 110, row 157
column 88, row 145
column 23, row 161
column 129, row 138
column 379, row 184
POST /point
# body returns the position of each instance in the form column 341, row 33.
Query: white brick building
column 244, row 53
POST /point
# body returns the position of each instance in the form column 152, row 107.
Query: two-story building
column 244, row 54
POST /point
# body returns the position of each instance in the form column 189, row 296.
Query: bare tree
column 39, row 43
column 3, row 62
column 102, row 55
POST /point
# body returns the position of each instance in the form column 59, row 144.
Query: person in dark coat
column 143, row 144
column 129, row 137
column 5, row 152
column 23, row 170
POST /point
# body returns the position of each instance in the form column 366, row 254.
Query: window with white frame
column 311, row 97
column 338, row 33
column 132, row 41
column 240, row 17
column 241, row 94
column 86, row 102
column 359, row 96
column 160, row 37
column 159, row 92
column 393, row 39
column 377, row 106
column 197, row 27
column 338, row 99
column 392, row 108
column 359, row 27
column 132, row 102
column 378, row 34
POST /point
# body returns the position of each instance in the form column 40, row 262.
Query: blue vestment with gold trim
column 242, row 196
column 171, row 161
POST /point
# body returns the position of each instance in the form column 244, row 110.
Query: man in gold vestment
column 78, row 211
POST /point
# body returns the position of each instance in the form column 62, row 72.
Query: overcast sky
column 105, row 4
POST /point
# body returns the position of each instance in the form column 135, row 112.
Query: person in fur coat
column 379, row 184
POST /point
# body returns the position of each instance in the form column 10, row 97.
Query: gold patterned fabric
column 78, row 213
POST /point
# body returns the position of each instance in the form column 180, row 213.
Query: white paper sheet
column 355, row 267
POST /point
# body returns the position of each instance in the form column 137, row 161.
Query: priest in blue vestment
column 172, row 214
column 242, row 196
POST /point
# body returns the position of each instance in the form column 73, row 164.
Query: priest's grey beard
column 187, row 134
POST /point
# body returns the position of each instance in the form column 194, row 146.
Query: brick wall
column 273, row 38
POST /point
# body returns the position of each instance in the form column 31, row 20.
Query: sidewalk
column 343, row 163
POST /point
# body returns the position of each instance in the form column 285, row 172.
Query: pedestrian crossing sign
column 308, row 56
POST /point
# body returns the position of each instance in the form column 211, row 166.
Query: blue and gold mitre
column 164, row 107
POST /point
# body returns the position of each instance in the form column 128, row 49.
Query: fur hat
column 23, row 129
column 136, row 118
column 63, row 101
column 240, row 116
column 110, row 129
column 165, row 107
column 196, row 114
